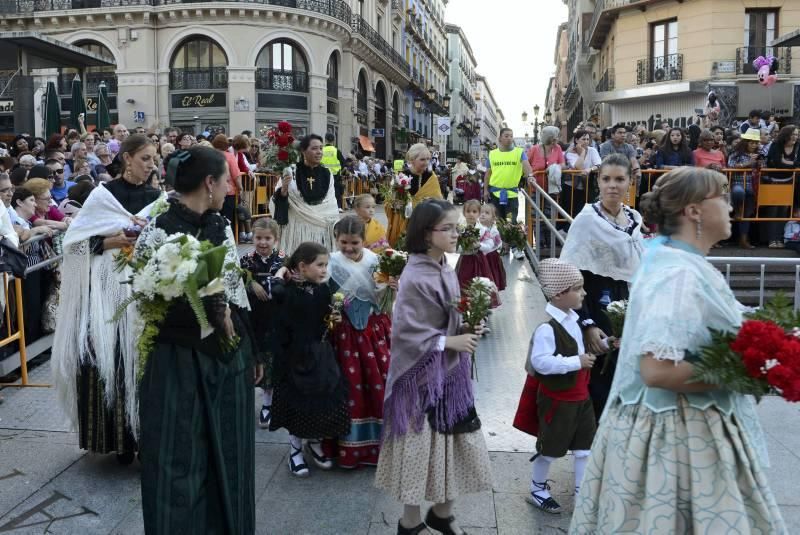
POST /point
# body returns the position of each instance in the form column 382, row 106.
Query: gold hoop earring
column 699, row 229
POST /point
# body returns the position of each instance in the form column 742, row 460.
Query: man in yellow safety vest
column 333, row 159
column 501, row 183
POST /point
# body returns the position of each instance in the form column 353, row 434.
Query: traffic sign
column 443, row 126
column 378, row 132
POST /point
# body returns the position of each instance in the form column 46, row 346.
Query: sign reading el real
column 200, row 100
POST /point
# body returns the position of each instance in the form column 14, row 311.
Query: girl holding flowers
column 491, row 243
column 673, row 453
column 309, row 396
column 362, row 341
column 433, row 448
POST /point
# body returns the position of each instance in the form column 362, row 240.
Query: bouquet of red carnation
column 513, row 234
column 390, row 264
column 282, row 150
column 469, row 239
column 762, row 358
column 475, row 306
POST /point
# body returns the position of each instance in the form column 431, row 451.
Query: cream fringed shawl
column 308, row 222
column 91, row 291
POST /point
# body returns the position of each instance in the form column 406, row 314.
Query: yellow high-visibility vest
column 398, row 165
column 330, row 159
column 506, row 170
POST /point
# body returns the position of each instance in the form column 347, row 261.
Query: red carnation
column 283, row 140
column 283, row 155
column 389, row 253
column 284, row 127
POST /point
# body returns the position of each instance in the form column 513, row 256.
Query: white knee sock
column 268, row 397
column 581, row 460
column 296, row 442
column 541, row 467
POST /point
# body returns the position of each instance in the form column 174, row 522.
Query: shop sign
column 6, row 106
column 199, row 100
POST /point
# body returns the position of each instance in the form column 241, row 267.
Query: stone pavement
column 48, row 485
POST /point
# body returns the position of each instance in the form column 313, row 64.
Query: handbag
column 468, row 424
column 12, row 260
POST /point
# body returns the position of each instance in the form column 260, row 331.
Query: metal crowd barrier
column 762, row 262
column 15, row 322
column 765, row 195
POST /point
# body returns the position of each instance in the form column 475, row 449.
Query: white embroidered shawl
column 91, row 291
column 307, row 222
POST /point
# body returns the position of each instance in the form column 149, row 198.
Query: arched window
column 361, row 100
column 380, row 96
column 92, row 75
column 198, row 63
column 396, row 111
column 281, row 66
column 333, row 77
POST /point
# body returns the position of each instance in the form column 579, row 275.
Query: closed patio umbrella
column 78, row 104
column 103, row 119
column 52, row 116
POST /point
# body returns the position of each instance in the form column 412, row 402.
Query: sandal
column 548, row 505
column 442, row 525
column 299, row 469
column 416, row 530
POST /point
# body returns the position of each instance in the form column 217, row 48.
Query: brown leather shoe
column 744, row 243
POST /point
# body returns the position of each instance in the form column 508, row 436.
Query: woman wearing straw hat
column 744, row 185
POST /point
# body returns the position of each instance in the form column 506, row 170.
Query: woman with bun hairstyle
column 605, row 243
column 671, row 454
column 196, row 395
column 93, row 358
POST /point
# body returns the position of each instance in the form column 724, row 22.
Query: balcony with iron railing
column 333, row 88
column 198, row 78
column 362, row 28
column 91, row 82
column 282, row 80
column 746, row 55
column 337, row 9
column 606, row 82
column 659, row 69
column 605, row 12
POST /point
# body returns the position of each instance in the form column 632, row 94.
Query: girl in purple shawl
column 429, row 412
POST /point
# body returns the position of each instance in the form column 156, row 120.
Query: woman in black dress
column 196, row 396
column 94, row 373
column 605, row 243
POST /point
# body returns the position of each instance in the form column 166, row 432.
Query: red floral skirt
column 364, row 360
column 497, row 268
column 475, row 265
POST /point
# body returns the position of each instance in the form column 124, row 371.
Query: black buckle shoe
column 297, row 469
column 323, row 462
column 442, row 525
column 265, row 416
column 416, row 530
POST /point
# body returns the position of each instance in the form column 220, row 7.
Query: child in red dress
column 473, row 263
column 491, row 243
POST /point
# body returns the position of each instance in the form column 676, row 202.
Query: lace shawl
column 597, row 245
column 355, row 278
column 308, row 222
column 676, row 297
column 90, row 292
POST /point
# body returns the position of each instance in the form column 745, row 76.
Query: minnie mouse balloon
column 767, row 68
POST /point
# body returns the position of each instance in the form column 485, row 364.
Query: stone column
column 136, row 91
column 318, row 103
column 163, row 98
column 241, row 99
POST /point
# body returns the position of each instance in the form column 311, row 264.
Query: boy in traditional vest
column 558, row 361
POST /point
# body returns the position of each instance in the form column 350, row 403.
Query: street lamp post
column 534, row 124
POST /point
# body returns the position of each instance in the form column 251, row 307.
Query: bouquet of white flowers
column 166, row 268
column 616, row 311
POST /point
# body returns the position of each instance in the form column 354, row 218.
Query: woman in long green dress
column 670, row 455
column 196, row 399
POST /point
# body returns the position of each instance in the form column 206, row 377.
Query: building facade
column 334, row 66
column 463, row 107
column 651, row 61
column 424, row 44
column 489, row 115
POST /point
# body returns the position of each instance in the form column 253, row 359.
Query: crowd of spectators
column 750, row 153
